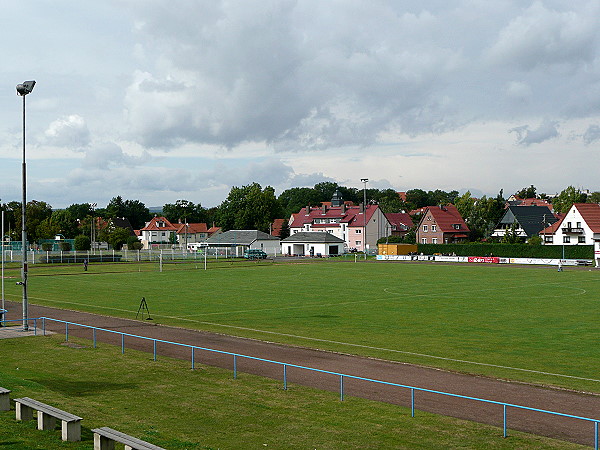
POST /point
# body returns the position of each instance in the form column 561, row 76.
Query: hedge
column 510, row 250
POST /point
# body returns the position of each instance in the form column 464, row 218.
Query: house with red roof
column 158, row 231
column 358, row 226
column 579, row 226
column 188, row 233
column 400, row 223
column 442, row 225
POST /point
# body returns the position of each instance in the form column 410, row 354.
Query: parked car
column 254, row 253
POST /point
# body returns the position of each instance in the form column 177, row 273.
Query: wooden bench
column 105, row 438
column 4, row 399
column 47, row 416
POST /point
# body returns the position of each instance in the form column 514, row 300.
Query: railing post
column 341, row 388
column 44, row 325
column 193, row 359
column 67, row 332
column 35, row 327
column 504, row 421
column 596, row 436
column 94, row 334
column 235, row 367
column 285, row 377
column 154, row 349
column 122, row 343
column 412, row 402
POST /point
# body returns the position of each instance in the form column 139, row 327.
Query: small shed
column 312, row 243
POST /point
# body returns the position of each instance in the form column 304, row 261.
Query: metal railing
column 285, row 366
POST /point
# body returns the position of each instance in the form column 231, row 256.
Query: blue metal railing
column 341, row 376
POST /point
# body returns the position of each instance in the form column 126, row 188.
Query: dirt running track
column 573, row 430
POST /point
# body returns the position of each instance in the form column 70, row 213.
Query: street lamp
column 365, row 181
column 23, row 89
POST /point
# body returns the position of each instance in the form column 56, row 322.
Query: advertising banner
column 484, row 259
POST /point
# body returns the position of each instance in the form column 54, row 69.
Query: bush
column 65, row 246
column 510, row 250
column 133, row 243
column 82, row 243
column 47, row 246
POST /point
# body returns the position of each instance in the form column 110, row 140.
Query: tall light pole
column 3, row 305
column 23, row 89
column 365, row 181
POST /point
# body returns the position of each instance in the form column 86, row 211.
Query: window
column 456, row 226
column 358, row 231
column 549, row 239
column 578, row 225
column 434, row 228
column 424, row 228
column 566, row 239
column 568, row 224
column 434, row 240
column 581, row 239
column 358, row 243
column 423, row 240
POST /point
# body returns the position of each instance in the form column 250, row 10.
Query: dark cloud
column 548, row 129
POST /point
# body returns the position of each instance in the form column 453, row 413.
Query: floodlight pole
column 365, row 181
column 3, row 305
column 24, row 230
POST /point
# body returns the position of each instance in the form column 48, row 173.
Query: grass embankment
column 529, row 324
column 168, row 404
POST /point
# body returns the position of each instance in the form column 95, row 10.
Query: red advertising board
column 484, row 259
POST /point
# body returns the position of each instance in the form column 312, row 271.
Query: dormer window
column 456, row 226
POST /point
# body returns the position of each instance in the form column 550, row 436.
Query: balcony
column 572, row 230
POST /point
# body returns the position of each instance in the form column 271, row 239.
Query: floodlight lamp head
column 25, row 88
column 364, row 180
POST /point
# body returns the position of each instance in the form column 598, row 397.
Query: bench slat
column 125, row 439
column 4, row 390
column 50, row 410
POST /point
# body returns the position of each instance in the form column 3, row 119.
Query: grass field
column 168, row 404
column 522, row 323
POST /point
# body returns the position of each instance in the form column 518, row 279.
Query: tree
column 184, row 210
column 526, row 192
column 294, row 199
column 285, row 230
column 80, row 210
column 249, row 208
column 82, row 243
column 117, row 237
column 511, row 236
column 563, row 202
column 134, row 210
column 36, row 212
column 325, row 190
column 594, row 197
column 65, row 223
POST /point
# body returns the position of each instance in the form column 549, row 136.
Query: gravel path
column 563, row 401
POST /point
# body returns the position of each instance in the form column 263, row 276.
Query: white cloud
column 70, row 132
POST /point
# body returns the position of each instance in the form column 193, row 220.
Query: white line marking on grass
column 386, row 349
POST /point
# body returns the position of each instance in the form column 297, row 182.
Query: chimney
column 308, row 210
column 361, row 207
column 324, row 209
column 343, row 208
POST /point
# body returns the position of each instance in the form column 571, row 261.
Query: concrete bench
column 47, row 416
column 105, row 438
column 4, row 399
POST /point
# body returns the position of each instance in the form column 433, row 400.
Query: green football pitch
column 523, row 323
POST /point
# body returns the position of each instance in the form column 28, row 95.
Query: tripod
column 143, row 309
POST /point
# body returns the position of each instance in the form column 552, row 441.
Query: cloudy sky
column 178, row 99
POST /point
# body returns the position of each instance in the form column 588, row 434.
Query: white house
column 158, row 231
column 580, row 226
column 312, row 244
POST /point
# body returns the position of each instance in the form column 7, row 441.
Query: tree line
column 255, row 207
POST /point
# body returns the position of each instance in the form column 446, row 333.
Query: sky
column 175, row 99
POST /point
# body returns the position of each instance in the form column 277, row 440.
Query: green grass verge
column 168, row 404
column 522, row 323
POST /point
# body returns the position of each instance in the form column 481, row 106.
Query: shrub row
column 510, row 250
